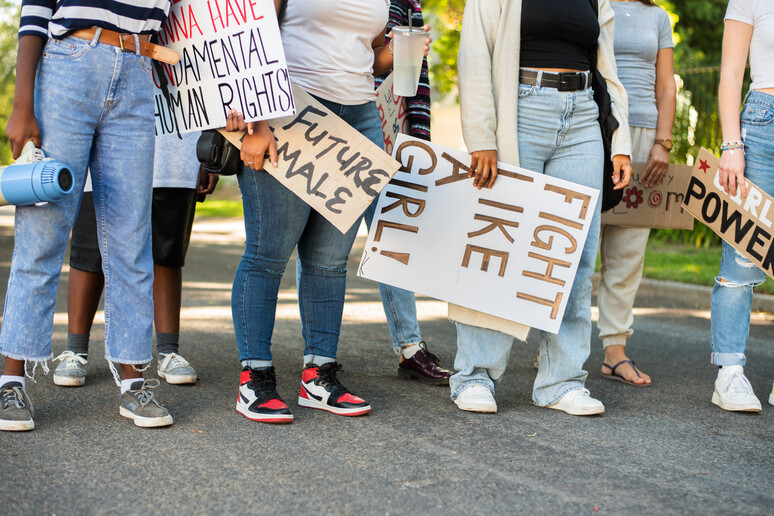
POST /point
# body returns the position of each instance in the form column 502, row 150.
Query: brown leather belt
column 126, row 43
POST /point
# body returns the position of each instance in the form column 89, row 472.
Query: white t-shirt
column 328, row 47
column 759, row 14
column 174, row 165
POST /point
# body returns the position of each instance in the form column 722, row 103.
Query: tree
column 9, row 13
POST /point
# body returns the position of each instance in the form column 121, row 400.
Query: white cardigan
column 488, row 71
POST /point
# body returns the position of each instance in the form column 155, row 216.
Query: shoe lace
column 13, row 396
column 737, row 383
column 431, row 356
column 262, row 381
column 145, row 393
column 581, row 393
column 173, row 360
column 329, row 380
column 69, row 357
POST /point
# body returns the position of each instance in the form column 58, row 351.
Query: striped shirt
column 56, row 18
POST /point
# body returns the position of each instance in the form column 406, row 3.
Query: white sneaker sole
column 183, row 379
column 310, row 403
column 581, row 411
column 17, row 426
column 69, row 381
column 146, row 422
column 483, row 408
column 738, row 407
column 264, row 418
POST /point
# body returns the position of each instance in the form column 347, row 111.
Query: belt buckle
column 121, row 42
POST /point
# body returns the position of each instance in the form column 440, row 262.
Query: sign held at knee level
column 325, row 162
column 745, row 223
column 511, row 251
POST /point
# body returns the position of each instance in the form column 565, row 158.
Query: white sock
column 317, row 360
column 410, row 350
column 127, row 384
column 10, row 378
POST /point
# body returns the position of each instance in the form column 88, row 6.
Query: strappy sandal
column 619, row 378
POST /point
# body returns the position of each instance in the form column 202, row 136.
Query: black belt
column 562, row 81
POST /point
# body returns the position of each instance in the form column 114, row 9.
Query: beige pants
column 622, row 251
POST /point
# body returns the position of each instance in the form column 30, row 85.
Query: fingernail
column 274, row 163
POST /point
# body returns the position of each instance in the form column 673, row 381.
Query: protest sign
column 231, row 57
column 510, row 251
column 327, row 163
column 392, row 113
column 742, row 222
column 659, row 206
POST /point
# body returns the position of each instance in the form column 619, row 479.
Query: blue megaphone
column 34, row 179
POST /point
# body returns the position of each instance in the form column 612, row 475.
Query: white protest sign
column 327, row 163
column 392, row 113
column 510, row 251
column 230, row 57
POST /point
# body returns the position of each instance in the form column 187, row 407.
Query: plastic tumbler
column 408, row 44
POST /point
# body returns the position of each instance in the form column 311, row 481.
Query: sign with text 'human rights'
column 231, row 57
column 511, row 251
column 743, row 222
column 325, row 162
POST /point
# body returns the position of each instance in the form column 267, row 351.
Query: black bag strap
column 592, row 52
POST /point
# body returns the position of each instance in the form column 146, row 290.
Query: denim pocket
column 146, row 64
column 757, row 114
column 525, row 90
column 66, row 49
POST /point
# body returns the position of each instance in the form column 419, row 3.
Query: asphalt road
column 664, row 449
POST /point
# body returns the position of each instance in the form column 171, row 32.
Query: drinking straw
column 411, row 21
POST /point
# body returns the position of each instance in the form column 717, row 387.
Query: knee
column 322, row 270
column 743, row 274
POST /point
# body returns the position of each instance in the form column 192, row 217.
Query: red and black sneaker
column 321, row 389
column 258, row 399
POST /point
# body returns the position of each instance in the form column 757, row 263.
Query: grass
column 223, row 208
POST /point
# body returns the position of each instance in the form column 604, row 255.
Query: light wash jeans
column 276, row 221
column 94, row 105
column 732, row 298
column 559, row 136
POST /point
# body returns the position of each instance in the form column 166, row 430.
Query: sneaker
column 734, row 392
column 138, row 404
column 258, row 399
column 175, row 369
column 579, row 402
column 476, row 398
column 771, row 396
column 321, row 389
column 16, row 410
column 71, row 372
column 424, row 366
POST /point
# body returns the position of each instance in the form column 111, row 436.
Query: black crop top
column 557, row 33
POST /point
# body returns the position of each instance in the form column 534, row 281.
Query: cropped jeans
column 276, row 222
column 559, row 136
column 94, row 106
column 733, row 291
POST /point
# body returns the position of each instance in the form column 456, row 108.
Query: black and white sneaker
column 321, row 389
column 258, row 399
column 16, row 410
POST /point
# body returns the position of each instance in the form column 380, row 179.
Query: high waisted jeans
column 558, row 136
column 733, row 290
column 94, row 105
column 276, row 221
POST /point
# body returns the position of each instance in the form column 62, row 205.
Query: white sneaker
column 579, row 402
column 71, row 372
column 476, row 398
column 734, row 392
column 771, row 396
column 176, row 369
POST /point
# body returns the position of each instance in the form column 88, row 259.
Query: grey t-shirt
column 640, row 32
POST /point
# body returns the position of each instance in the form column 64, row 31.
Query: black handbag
column 217, row 155
column 607, row 124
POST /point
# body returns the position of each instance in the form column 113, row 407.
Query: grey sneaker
column 176, row 369
column 71, row 372
column 138, row 404
column 15, row 408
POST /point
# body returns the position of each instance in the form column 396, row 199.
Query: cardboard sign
column 392, row 112
column 230, row 57
column 327, row 163
column 659, row 206
column 744, row 223
column 510, row 251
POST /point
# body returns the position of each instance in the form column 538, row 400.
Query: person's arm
column 736, row 46
column 382, row 54
column 666, row 92
column 22, row 124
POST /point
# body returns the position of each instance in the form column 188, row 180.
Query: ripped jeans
column 733, row 290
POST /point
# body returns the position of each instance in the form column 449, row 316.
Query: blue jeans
column 94, row 105
column 276, row 221
column 558, row 136
column 733, row 291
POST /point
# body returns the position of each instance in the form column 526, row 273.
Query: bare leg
column 14, row 367
column 167, row 295
column 84, row 290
